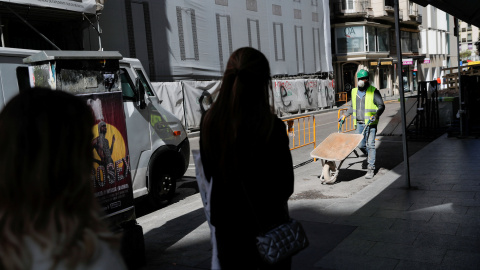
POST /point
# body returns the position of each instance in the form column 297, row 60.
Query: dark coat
column 253, row 198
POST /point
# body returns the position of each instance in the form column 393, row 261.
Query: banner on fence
column 171, row 95
column 197, row 93
column 188, row 99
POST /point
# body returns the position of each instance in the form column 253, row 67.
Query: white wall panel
column 441, row 20
column 193, row 38
column 432, row 41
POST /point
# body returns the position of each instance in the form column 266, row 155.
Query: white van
column 157, row 140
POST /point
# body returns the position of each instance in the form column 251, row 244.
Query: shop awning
column 465, row 10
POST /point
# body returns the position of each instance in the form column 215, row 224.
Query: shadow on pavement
column 186, row 186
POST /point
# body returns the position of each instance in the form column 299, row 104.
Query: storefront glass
column 350, row 39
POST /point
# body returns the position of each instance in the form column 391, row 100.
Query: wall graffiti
column 289, row 96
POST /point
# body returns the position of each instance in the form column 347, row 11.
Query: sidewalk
column 433, row 225
column 358, row 223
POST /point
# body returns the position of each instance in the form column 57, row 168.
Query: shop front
column 356, row 46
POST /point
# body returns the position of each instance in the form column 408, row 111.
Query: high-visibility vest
column 370, row 107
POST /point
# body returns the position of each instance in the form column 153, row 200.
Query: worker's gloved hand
column 341, row 119
column 372, row 118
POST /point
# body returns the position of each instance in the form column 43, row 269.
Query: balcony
column 413, row 16
column 413, row 13
column 351, row 8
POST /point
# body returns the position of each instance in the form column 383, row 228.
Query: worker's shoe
column 369, row 174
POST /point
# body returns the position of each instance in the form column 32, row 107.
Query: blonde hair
column 46, row 195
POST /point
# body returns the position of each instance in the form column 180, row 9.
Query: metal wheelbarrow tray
column 335, row 148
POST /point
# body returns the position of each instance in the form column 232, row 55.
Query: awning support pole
column 460, row 113
column 402, row 95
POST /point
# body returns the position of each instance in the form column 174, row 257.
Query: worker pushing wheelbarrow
column 335, row 149
column 366, row 107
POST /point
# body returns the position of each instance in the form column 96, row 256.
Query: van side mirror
column 141, row 94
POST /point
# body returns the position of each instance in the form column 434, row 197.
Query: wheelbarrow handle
column 366, row 125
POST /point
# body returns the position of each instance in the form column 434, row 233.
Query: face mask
column 361, row 83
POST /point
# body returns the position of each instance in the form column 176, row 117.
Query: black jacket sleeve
column 378, row 100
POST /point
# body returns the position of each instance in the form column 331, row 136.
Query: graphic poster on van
column 111, row 175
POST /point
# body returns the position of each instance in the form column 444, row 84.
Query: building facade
column 363, row 37
column 469, row 35
column 437, row 43
column 193, row 39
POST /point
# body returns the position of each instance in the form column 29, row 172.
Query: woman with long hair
column 49, row 217
column 245, row 151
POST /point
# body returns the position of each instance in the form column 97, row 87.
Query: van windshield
column 144, row 81
column 127, row 86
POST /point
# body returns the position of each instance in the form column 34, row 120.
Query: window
column 469, row 37
column 382, row 38
column 371, row 39
column 127, row 86
column 278, row 42
column 406, row 42
column 415, row 42
column 252, row 5
column 448, row 43
column 317, row 51
column 224, row 35
column 187, row 34
column 464, row 29
column 254, row 34
column 350, row 39
column 144, row 81
column 347, row 4
column 470, row 46
column 221, row 2
column 300, row 53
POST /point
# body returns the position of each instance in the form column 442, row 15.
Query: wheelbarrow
column 334, row 150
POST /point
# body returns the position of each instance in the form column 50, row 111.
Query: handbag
column 282, row 242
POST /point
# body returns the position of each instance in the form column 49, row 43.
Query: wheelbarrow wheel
column 328, row 169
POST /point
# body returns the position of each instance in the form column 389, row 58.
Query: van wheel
column 162, row 188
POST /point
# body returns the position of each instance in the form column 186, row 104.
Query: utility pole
column 402, row 95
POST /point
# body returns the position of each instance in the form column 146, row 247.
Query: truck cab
column 158, row 141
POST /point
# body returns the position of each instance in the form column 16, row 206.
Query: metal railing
column 412, row 11
column 347, row 126
column 351, row 7
column 301, row 127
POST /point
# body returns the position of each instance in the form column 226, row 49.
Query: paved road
column 166, row 228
